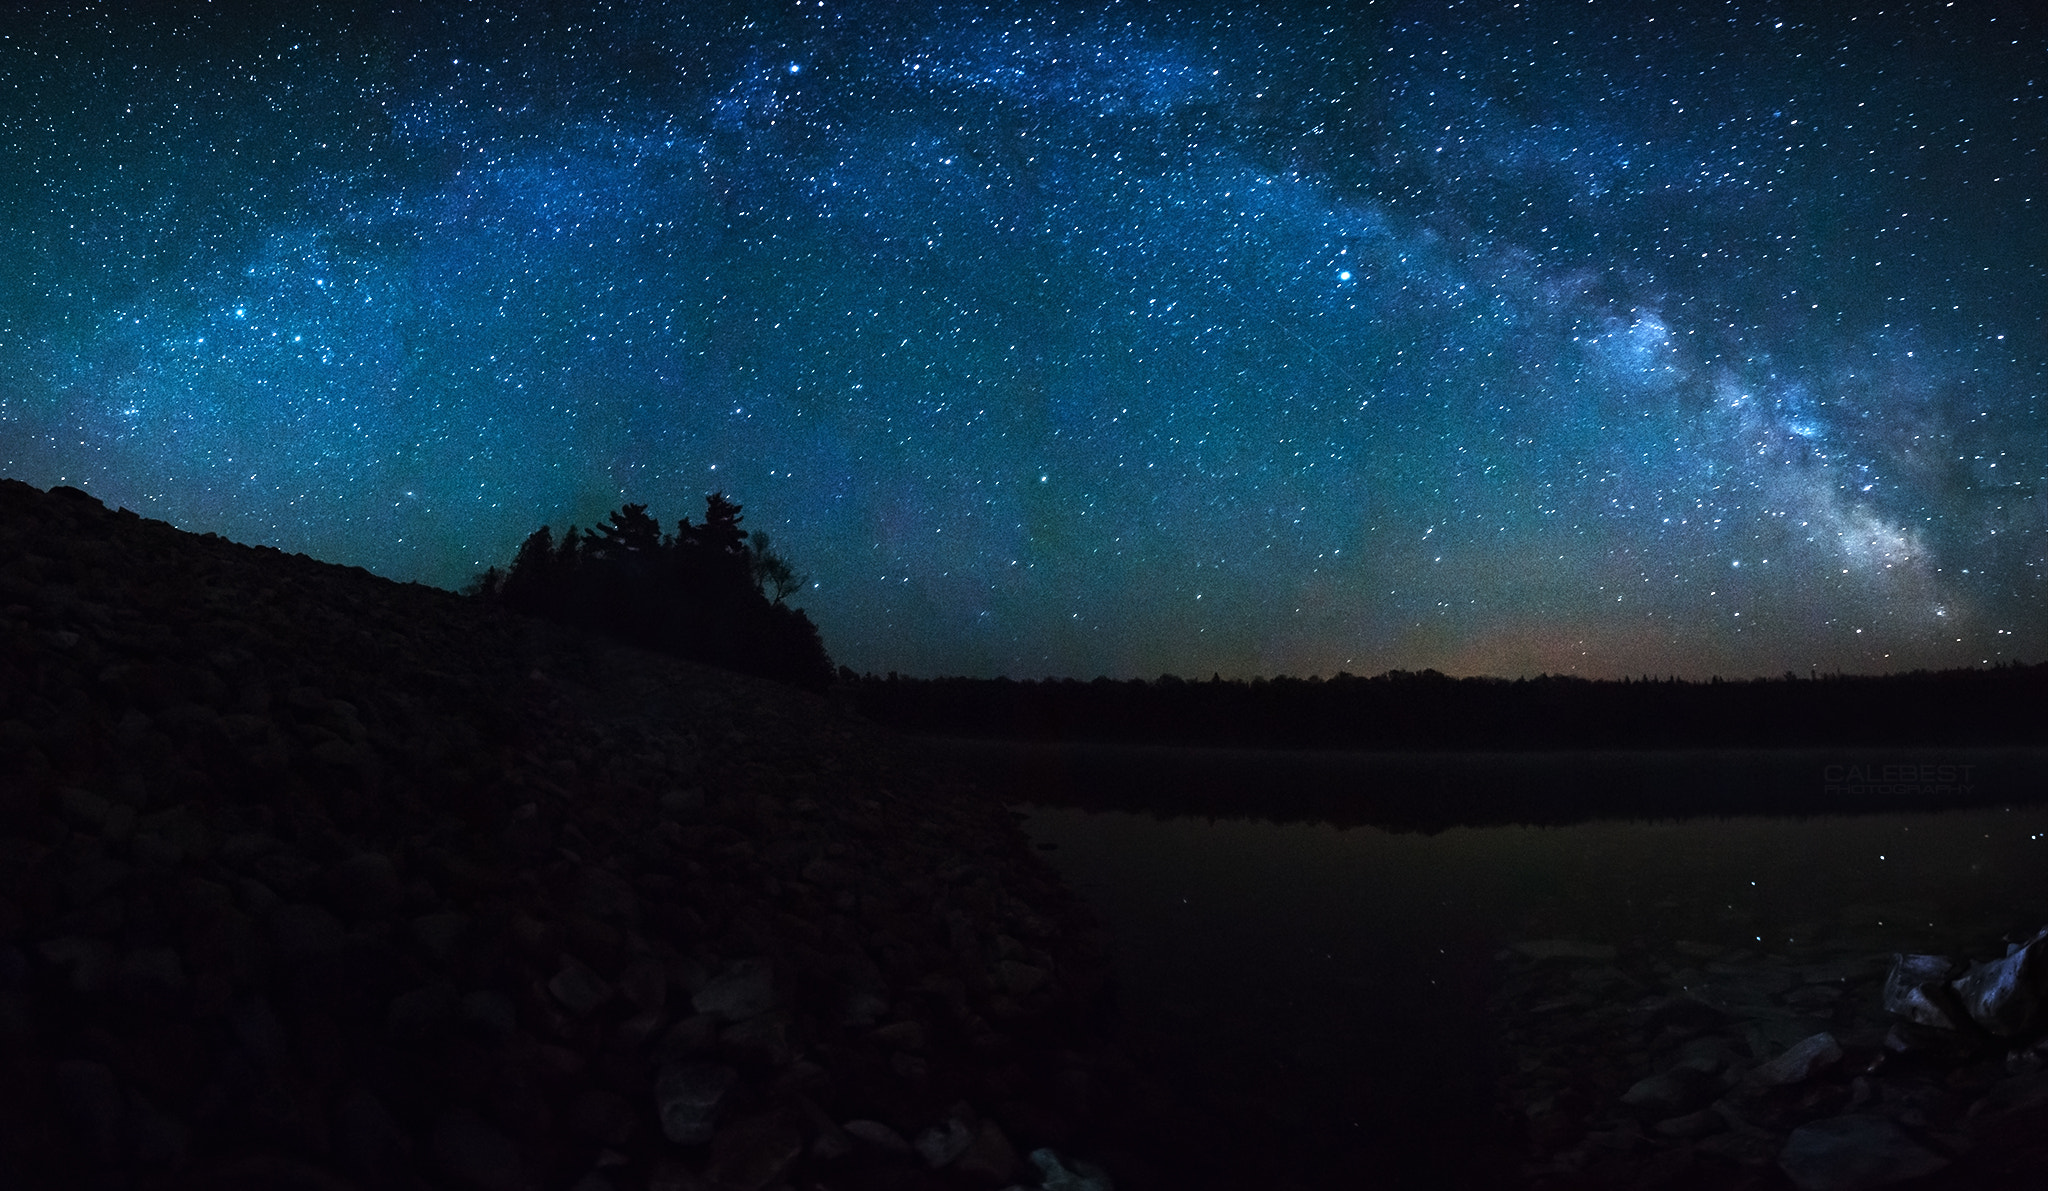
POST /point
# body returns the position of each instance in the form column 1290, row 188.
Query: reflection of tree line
column 2005, row 705
column 711, row 592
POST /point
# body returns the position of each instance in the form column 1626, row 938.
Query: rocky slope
column 310, row 879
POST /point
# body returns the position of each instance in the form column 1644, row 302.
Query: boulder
column 876, row 1136
column 490, row 1013
column 1670, row 1093
column 2004, row 995
column 475, row 1154
column 1799, row 1063
column 687, row 1096
column 1054, row 1175
column 365, row 885
column 1692, row 1126
column 579, row 989
column 1850, row 1153
column 750, row 1154
column 1917, row 990
column 745, row 989
column 439, row 934
column 990, row 1157
column 944, row 1142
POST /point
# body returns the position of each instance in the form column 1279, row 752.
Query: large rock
column 2004, row 995
column 475, row 1154
column 1670, row 1093
column 688, row 1096
column 877, row 1136
column 1854, row 1152
column 579, row 989
column 744, row 990
column 944, row 1142
column 1800, row 1062
column 750, row 1154
column 989, row 1158
column 1917, row 990
column 1054, row 1175
column 365, row 885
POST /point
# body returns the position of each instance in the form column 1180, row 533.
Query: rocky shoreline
column 1832, row 1067
column 313, row 880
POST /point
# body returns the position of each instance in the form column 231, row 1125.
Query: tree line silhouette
column 1400, row 710
column 710, row 592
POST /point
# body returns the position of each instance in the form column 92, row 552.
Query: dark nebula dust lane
column 1082, row 338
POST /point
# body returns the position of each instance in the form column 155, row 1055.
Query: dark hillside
column 309, row 879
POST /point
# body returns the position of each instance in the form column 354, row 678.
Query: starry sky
column 1075, row 339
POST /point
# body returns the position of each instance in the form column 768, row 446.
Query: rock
column 944, row 1142
column 683, row 805
column 1800, row 1062
column 256, row 1027
column 160, row 1139
column 750, row 1154
column 1692, row 1126
column 601, row 1116
column 1054, row 1176
column 1849, row 1153
column 687, row 1097
column 1570, row 949
column 490, row 1012
column 368, row 1142
column 421, row 1010
column 91, row 1098
column 439, row 934
column 827, row 874
column 1742, row 1145
column 474, row 1153
column 745, row 989
column 764, row 1038
column 645, row 983
column 1669, row 1093
column 152, row 975
column 989, row 1157
column 2017, row 1106
column 303, row 931
column 579, row 989
column 828, row 1140
column 876, row 1136
column 365, row 885
column 1021, row 979
column 89, row 964
column 1684, row 1013
column 690, row 1036
column 1928, row 1044
column 2004, row 996
column 1917, row 990
column 865, row 999
column 900, row 1035
column 94, row 879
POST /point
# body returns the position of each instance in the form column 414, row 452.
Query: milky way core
column 1083, row 339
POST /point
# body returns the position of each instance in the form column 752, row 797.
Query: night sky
column 1598, row 338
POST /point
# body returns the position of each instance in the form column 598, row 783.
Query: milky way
column 1580, row 338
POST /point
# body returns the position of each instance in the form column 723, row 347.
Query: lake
column 1358, row 1005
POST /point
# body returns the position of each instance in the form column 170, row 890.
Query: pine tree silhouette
column 710, row 592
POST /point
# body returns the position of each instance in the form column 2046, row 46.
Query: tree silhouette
column 710, row 592
column 772, row 574
column 629, row 533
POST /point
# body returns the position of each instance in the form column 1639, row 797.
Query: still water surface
column 1328, row 989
